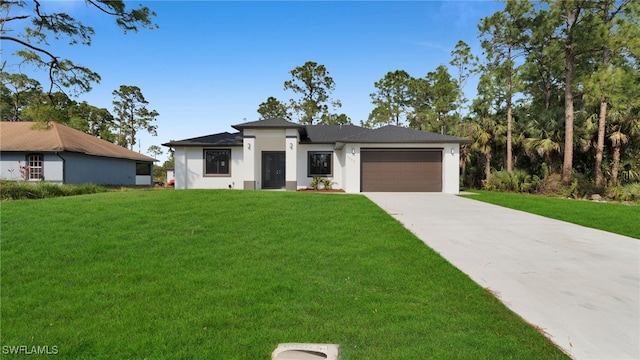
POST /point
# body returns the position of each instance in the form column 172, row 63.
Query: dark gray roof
column 221, row 139
column 396, row 134
column 329, row 134
column 324, row 134
column 273, row 123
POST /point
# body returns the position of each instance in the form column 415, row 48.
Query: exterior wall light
column 453, row 151
column 291, row 146
column 249, row 146
column 353, row 151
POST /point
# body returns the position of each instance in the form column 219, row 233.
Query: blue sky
column 211, row 63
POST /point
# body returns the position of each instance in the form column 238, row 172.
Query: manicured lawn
column 613, row 217
column 230, row 274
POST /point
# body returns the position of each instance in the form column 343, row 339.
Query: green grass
column 230, row 274
column 613, row 217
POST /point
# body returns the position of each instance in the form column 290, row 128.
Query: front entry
column 273, row 175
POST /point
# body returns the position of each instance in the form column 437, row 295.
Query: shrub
column 315, row 182
column 18, row 190
column 515, row 181
column 628, row 192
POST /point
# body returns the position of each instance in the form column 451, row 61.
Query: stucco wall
column 189, row 170
column 246, row 163
column 303, row 163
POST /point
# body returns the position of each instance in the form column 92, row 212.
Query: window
column 35, row 163
column 143, row 169
column 320, row 163
column 216, row 162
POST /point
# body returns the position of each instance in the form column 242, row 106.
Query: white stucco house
column 278, row 154
column 59, row 154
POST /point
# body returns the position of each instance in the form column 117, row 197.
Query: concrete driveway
column 580, row 286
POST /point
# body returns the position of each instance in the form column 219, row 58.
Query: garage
column 401, row 170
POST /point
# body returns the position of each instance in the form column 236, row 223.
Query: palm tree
column 544, row 137
column 625, row 126
column 486, row 134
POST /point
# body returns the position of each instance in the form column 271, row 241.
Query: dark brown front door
column 401, row 170
column 273, row 176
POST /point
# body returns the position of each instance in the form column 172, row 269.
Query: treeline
column 558, row 97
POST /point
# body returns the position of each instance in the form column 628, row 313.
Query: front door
column 273, row 176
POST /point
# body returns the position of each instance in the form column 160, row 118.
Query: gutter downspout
column 64, row 167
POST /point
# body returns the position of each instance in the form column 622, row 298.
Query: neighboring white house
column 277, row 154
column 56, row 153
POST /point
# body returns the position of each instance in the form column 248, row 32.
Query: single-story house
column 59, row 154
column 278, row 154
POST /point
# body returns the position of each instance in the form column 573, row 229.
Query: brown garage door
column 401, row 170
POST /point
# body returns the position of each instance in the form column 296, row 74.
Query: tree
column 132, row 115
column 314, row 85
column 155, row 151
column 40, row 27
column 444, row 94
column 607, row 81
column 432, row 99
column 391, row 100
column 273, row 108
column 22, row 89
column 572, row 24
column 465, row 63
column 335, row 119
column 49, row 107
column 92, row 120
column 504, row 34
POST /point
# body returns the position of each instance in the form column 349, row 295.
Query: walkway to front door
column 273, row 170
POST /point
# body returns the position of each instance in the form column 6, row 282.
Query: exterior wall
column 170, row 175
column 291, row 159
column 246, row 163
column 336, row 161
column 76, row 168
column 10, row 168
column 143, row 179
column 450, row 164
column 451, row 169
column 189, row 170
column 82, row 169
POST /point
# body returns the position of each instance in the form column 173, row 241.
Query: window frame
column 148, row 166
column 40, row 168
column 310, row 154
column 204, row 163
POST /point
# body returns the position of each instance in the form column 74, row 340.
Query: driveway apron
column 579, row 286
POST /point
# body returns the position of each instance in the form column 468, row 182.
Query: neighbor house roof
column 27, row 136
column 221, row 139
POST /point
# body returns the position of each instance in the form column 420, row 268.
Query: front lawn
column 613, row 217
column 230, row 274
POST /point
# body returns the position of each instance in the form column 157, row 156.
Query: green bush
column 515, row 181
column 628, row 192
column 18, row 190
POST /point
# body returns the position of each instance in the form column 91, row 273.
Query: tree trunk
column 567, row 165
column 602, row 119
column 509, row 117
column 487, row 167
column 616, row 163
column 600, row 145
